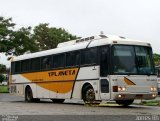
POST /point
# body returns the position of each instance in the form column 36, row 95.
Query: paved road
column 15, row 105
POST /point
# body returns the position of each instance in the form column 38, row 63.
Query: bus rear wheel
column 28, row 95
column 124, row 102
column 58, row 100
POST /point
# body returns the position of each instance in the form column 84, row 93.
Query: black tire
column 124, row 102
column 28, row 95
column 88, row 95
column 58, row 100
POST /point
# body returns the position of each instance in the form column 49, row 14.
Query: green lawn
column 152, row 103
column 4, row 89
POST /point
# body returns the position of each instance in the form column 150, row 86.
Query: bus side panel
column 77, row 89
column 61, row 89
column 20, row 89
column 17, row 89
column 88, row 73
column 42, row 92
column 51, row 90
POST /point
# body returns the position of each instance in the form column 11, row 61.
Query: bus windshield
column 132, row 60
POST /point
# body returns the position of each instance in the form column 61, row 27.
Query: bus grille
column 138, row 89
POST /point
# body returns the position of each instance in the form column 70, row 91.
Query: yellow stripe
column 128, row 81
column 68, row 77
column 59, row 87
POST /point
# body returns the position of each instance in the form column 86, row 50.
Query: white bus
column 94, row 69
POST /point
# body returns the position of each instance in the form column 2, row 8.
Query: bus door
column 104, row 73
column 104, row 89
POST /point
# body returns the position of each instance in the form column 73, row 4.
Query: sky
column 135, row 19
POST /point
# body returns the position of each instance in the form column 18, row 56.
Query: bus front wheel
column 88, row 95
column 124, row 102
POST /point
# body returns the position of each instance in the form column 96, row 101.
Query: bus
column 93, row 69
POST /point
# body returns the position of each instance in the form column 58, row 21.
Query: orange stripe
column 128, row 81
column 68, row 75
column 59, row 87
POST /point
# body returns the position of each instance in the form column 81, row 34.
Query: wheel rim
column 90, row 95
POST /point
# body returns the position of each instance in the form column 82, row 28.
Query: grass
column 151, row 103
column 4, row 89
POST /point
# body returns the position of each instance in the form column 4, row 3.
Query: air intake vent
column 85, row 39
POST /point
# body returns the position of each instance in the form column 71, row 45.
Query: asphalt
column 15, row 108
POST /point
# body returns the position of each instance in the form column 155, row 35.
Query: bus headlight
column 119, row 88
column 122, row 89
column 154, row 95
column 153, row 89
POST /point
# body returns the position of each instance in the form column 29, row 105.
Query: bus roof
column 83, row 43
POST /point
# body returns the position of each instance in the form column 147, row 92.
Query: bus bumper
column 124, row 96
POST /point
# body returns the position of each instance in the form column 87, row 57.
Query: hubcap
column 90, row 95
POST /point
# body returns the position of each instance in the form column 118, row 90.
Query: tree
column 23, row 42
column 18, row 42
column 15, row 42
column 6, row 34
column 2, row 69
column 156, row 59
column 2, row 77
column 48, row 37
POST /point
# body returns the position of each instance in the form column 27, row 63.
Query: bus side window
column 89, row 56
column 17, row 67
column 35, row 64
column 13, row 68
column 25, row 65
column 46, row 62
column 73, row 58
column 59, row 61
column 104, row 61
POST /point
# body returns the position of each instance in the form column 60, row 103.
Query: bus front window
column 132, row 60
column 144, row 60
column 124, row 60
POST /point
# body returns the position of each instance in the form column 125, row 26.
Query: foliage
column 15, row 41
column 156, row 59
column 48, row 37
column 6, row 31
column 2, row 69
column 23, row 40
column 2, row 77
